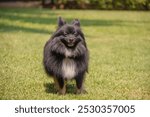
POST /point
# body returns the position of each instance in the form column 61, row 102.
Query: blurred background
column 80, row 4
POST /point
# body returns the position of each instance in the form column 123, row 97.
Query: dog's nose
column 71, row 39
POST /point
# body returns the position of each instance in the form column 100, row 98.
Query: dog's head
column 69, row 34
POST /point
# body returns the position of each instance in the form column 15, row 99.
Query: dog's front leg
column 61, row 86
column 80, row 84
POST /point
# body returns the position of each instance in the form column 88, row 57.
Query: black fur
column 68, row 37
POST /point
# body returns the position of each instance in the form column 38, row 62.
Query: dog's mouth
column 71, row 44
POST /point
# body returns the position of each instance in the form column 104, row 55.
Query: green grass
column 118, row 41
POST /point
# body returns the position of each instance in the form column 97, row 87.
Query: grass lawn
column 118, row 41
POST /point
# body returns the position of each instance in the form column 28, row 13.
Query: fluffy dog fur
column 66, row 56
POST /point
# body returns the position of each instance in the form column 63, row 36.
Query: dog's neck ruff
column 68, row 53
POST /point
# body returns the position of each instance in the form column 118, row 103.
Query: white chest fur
column 68, row 53
column 68, row 68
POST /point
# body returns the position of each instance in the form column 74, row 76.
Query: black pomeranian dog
column 66, row 56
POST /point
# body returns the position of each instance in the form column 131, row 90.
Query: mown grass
column 118, row 41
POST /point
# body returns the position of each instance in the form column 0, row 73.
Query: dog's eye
column 75, row 33
column 65, row 33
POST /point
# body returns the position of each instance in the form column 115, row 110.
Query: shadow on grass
column 34, row 17
column 27, row 11
column 25, row 17
column 53, row 20
column 50, row 88
column 11, row 28
column 30, row 19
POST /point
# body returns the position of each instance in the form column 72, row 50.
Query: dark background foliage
column 92, row 4
column 102, row 4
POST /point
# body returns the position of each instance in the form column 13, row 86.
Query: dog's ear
column 76, row 22
column 61, row 22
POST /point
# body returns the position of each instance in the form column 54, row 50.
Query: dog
column 66, row 56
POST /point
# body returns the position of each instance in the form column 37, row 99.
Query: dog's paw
column 81, row 91
column 61, row 92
